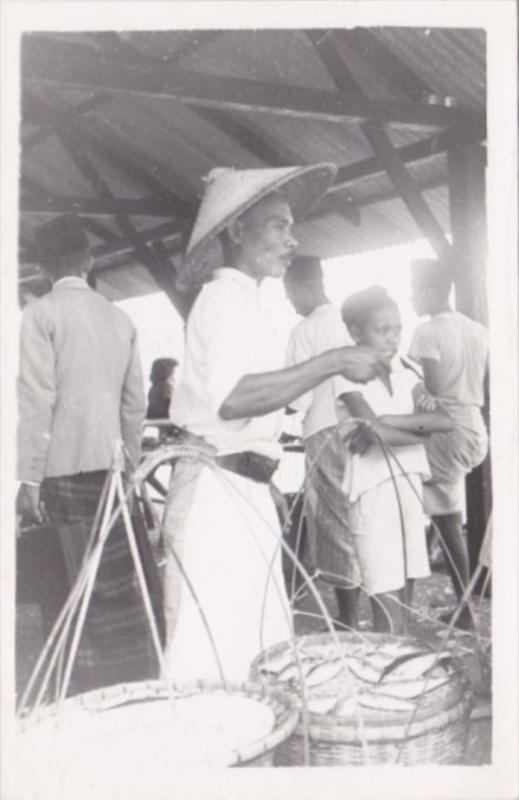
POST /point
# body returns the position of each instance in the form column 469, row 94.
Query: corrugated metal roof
column 451, row 62
column 176, row 144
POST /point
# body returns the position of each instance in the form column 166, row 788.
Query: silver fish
column 324, row 671
column 363, row 671
column 394, row 650
column 414, row 667
column 414, row 688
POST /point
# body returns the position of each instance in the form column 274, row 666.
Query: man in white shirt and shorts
column 453, row 352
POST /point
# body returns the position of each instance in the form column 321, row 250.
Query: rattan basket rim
column 284, row 706
column 348, row 730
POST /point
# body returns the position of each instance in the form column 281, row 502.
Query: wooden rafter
column 333, row 58
column 328, row 48
column 407, row 188
column 394, row 194
column 408, row 154
column 362, row 43
column 77, row 67
column 47, row 204
column 49, row 128
column 131, row 161
column 99, row 230
column 247, row 136
column 156, row 261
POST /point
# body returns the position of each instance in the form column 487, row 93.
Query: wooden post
column 467, row 162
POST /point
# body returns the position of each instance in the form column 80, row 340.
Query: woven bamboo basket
column 435, row 732
column 71, row 712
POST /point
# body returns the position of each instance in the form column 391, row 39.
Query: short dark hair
column 304, row 269
column 358, row 307
column 433, row 274
column 162, row 368
column 70, row 264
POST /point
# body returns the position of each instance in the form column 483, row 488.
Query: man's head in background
column 62, row 248
column 431, row 283
column 304, row 284
column 162, row 369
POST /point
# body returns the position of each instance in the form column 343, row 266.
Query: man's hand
column 424, row 401
column 360, row 439
column 29, row 505
column 361, row 364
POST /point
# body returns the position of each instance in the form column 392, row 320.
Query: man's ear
column 235, row 231
column 355, row 333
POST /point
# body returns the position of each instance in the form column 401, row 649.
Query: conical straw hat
column 230, row 192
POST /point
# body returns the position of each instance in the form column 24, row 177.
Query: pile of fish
column 389, row 677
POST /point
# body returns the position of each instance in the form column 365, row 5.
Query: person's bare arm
column 431, row 375
column 420, row 423
column 360, row 409
column 259, row 394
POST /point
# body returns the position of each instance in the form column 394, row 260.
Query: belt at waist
column 249, row 465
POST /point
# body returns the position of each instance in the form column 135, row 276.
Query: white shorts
column 387, row 554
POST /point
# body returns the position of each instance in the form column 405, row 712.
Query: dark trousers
column 115, row 645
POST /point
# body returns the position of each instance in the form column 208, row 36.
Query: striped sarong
column 116, row 644
column 330, row 540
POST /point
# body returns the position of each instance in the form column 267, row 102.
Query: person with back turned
column 331, row 544
column 453, row 353
column 81, row 390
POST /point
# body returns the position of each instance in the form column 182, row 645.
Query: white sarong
column 225, row 532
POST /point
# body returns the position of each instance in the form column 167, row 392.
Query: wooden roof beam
column 408, row 154
column 70, row 66
column 50, row 128
column 362, row 42
column 247, row 136
column 98, row 229
column 131, row 161
column 333, row 58
column 43, row 204
column 328, row 50
column 121, row 248
column 407, row 188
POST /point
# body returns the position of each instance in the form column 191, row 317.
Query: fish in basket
column 370, row 699
column 125, row 742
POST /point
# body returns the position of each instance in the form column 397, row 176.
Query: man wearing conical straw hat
column 221, row 529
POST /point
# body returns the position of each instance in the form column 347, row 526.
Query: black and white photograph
column 259, row 400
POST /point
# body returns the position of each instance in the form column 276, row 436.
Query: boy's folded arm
column 378, row 428
column 420, row 423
